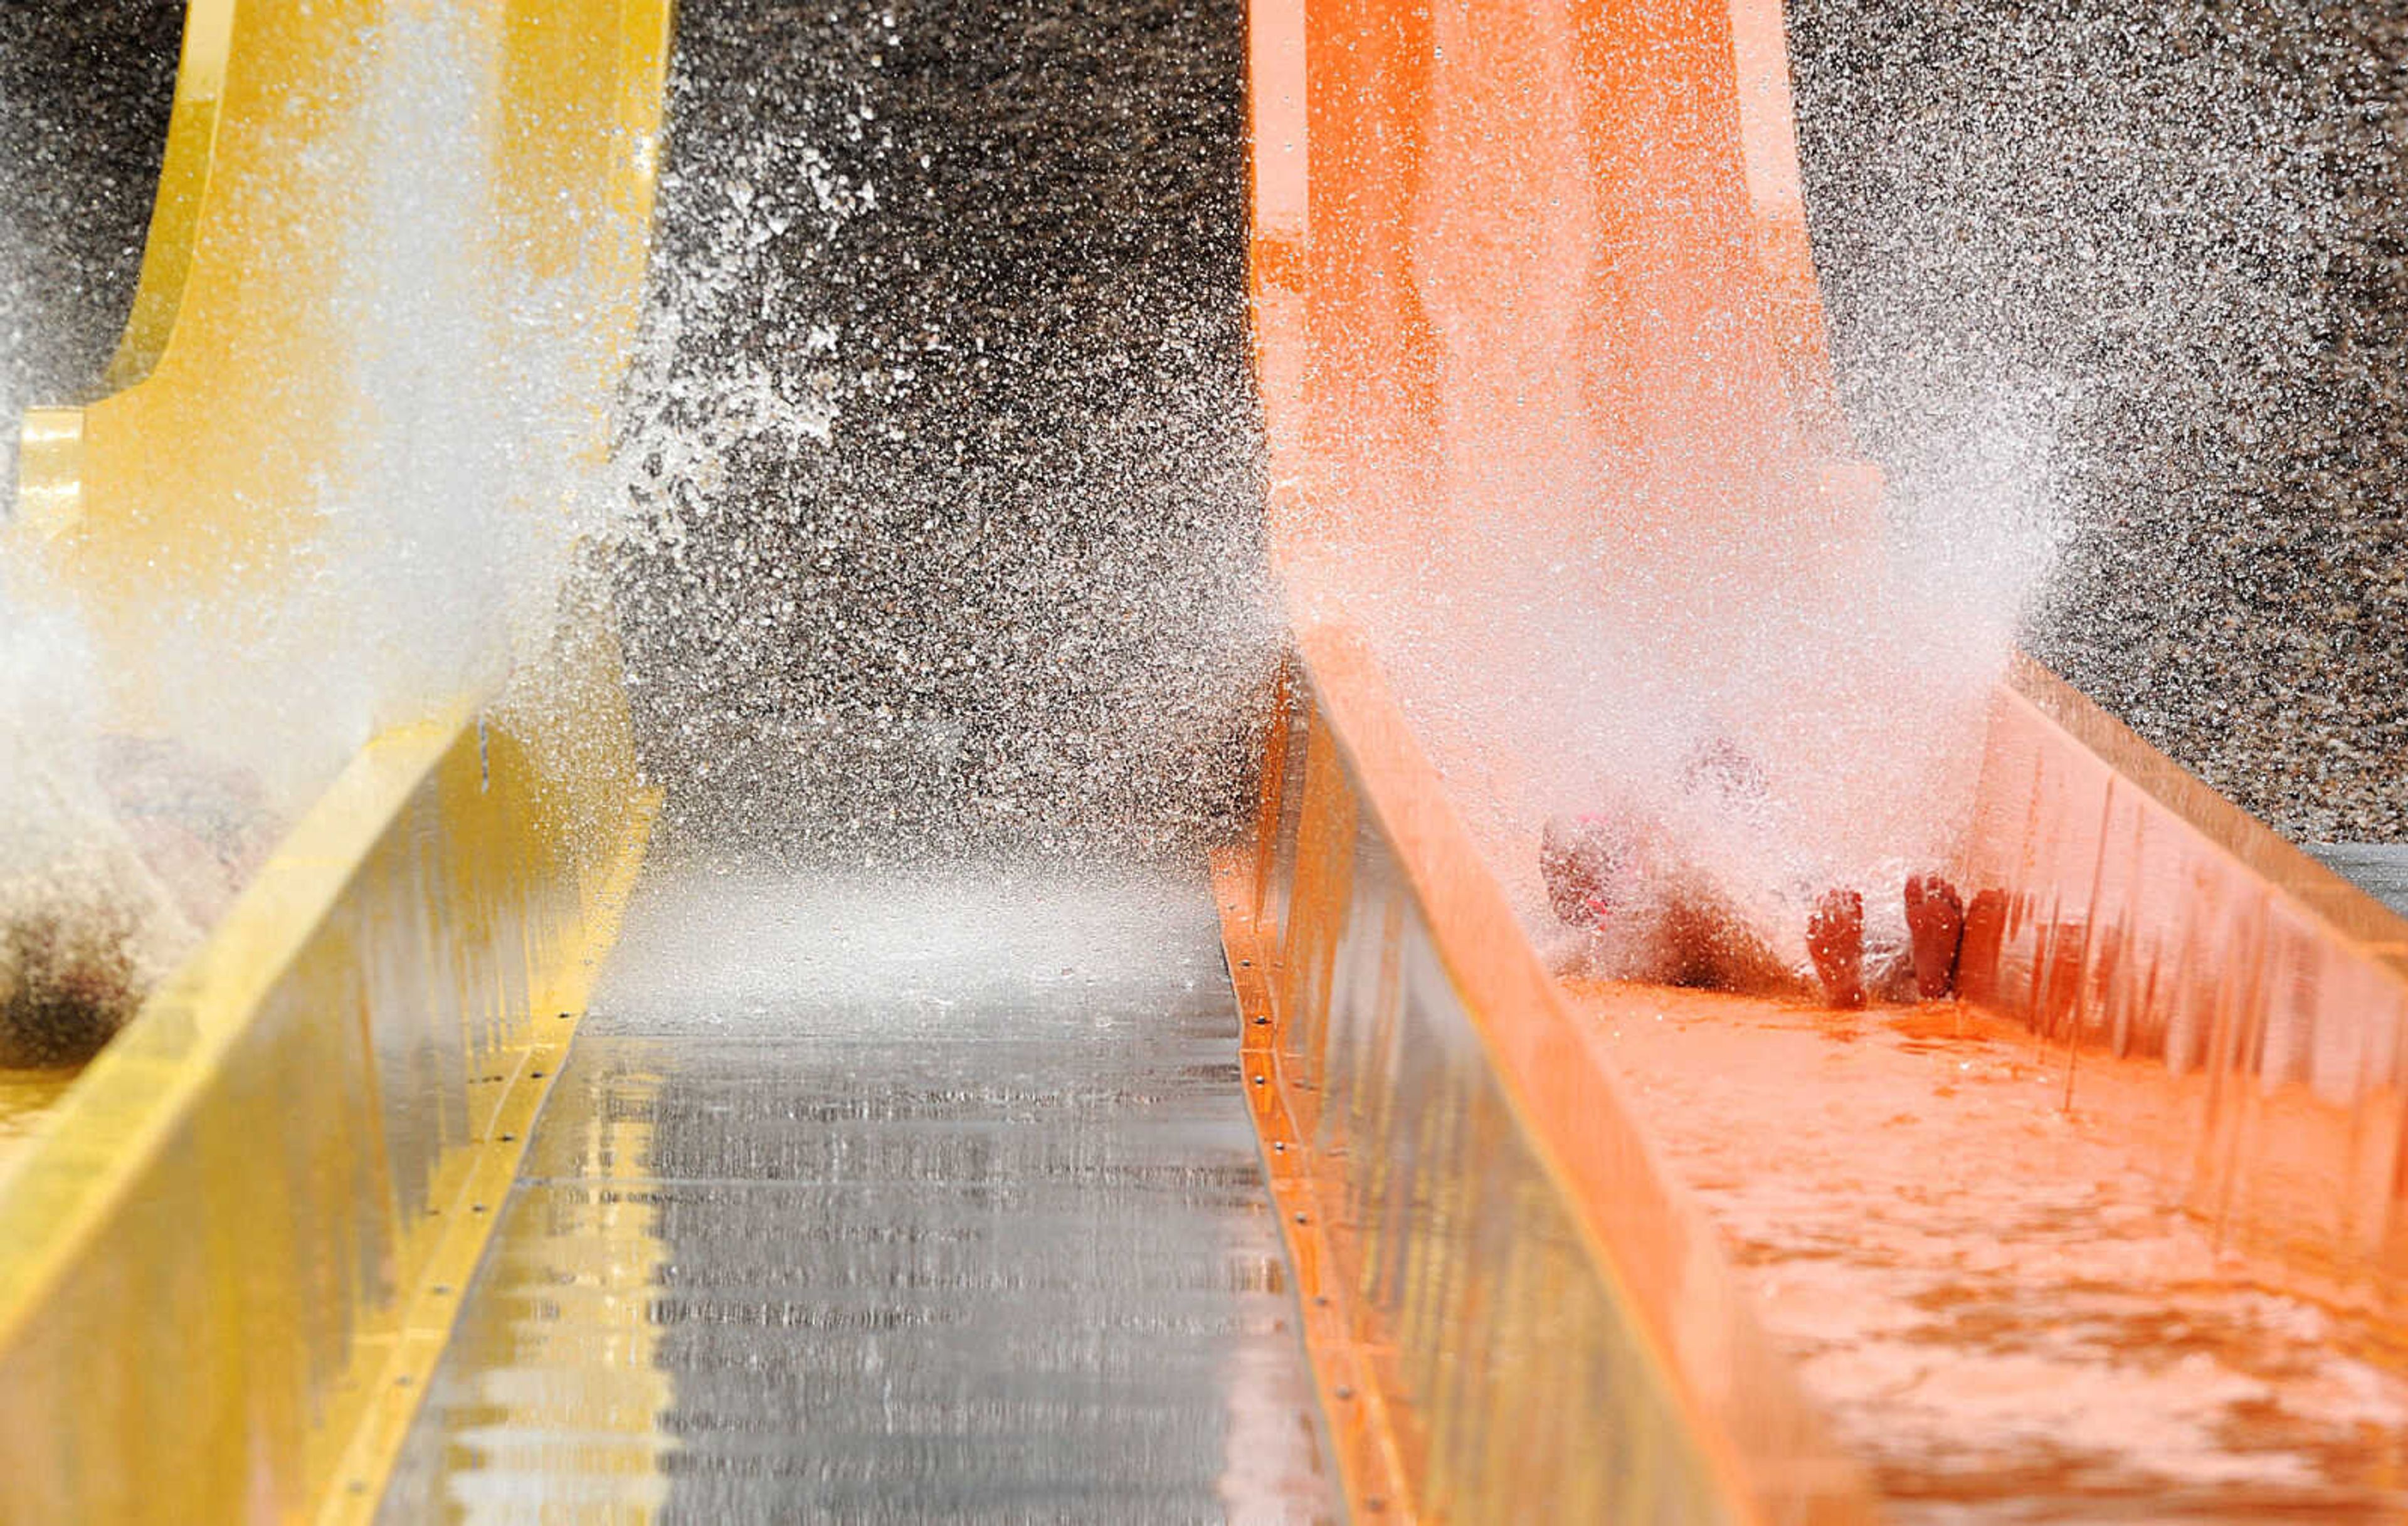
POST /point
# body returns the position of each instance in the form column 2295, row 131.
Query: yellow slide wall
column 228, row 1258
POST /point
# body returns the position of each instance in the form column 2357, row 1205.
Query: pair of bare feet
column 1609, row 871
column 1935, row 927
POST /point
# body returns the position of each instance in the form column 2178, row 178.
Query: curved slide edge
column 50, row 486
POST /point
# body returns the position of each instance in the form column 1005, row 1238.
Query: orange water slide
column 1494, row 238
column 1531, row 284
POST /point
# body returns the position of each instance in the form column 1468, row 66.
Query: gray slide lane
column 874, row 1201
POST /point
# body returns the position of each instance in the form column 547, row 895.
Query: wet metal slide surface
column 2379, row 869
column 874, row 1203
column 1998, row 1303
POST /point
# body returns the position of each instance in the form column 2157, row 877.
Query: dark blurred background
column 959, row 548
column 84, row 90
column 2164, row 241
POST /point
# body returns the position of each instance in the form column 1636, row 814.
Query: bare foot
column 1985, row 937
column 1835, row 941
column 1935, row 923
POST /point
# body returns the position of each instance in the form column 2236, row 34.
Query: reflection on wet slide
column 873, row 1202
column 1995, row 1296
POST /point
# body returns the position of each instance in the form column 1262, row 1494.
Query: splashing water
column 1611, row 569
column 944, row 448
column 2169, row 231
column 444, row 543
column 1797, row 745
column 2138, row 374
column 444, row 540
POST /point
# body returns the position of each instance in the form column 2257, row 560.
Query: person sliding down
column 1647, row 912
column 112, row 869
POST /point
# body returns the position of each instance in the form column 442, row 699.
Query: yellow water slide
column 228, row 1242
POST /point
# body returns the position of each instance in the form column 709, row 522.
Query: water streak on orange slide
column 1496, row 241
